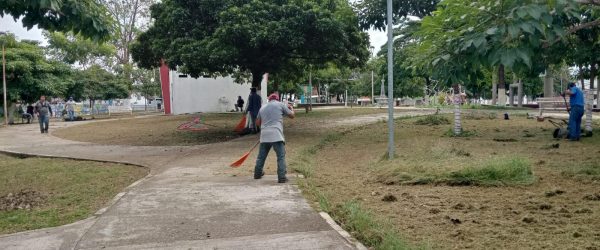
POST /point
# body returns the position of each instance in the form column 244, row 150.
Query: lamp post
column 4, row 82
column 390, row 68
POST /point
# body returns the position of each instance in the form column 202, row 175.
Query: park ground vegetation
column 42, row 192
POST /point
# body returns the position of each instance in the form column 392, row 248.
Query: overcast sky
column 7, row 23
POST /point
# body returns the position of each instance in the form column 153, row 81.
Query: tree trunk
column 548, row 84
column 582, row 77
column 501, row 86
column 593, row 70
column 256, row 79
column 426, row 94
column 494, row 89
column 456, row 98
column 520, row 93
column 592, row 85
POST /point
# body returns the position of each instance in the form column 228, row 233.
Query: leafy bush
column 433, row 120
column 497, row 172
column 368, row 229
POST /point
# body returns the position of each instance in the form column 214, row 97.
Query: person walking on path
column 271, row 136
column 240, row 104
column 254, row 105
column 575, row 111
column 44, row 111
column 70, row 107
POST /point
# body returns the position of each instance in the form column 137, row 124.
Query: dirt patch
column 162, row 130
column 23, row 200
column 476, row 217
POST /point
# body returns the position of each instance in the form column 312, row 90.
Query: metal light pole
column 4, row 83
column 390, row 61
column 310, row 91
column 372, row 88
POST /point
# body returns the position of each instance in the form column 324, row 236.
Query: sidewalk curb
column 342, row 232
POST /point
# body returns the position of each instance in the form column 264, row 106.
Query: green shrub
column 367, row 229
column 433, row 120
column 497, row 172
column 464, row 133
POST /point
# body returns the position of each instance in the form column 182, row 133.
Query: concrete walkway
column 183, row 204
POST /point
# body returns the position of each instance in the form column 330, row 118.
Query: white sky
column 7, row 23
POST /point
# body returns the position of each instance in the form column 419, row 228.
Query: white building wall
column 191, row 95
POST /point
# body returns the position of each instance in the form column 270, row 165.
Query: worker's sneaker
column 283, row 180
column 256, row 177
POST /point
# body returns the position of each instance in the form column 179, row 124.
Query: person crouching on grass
column 271, row 136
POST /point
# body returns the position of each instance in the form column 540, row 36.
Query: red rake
column 240, row 125
column 238, row 163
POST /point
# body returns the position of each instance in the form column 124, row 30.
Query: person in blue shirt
column 575, row 111
column 254, row 105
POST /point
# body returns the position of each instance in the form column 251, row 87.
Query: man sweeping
column 575, row 111
column 271, row 136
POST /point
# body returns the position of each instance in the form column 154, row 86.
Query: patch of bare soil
column 558, row 211
column 23, row 200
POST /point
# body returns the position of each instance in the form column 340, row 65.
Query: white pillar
column 263, row 88
column 589, row 106
column 457, row 123
column 520, row 93
column 346, row 99
column 548, row 85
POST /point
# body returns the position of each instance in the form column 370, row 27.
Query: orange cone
column 239, row 162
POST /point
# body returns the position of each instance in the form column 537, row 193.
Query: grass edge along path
column 361, row 223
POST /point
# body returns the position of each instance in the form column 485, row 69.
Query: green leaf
column 526, row 27
column 521, row 13
column 467, row 44
column 534, row 11
column 513, row 31
column 508, row 58
column 524, row 56
column 491, row 31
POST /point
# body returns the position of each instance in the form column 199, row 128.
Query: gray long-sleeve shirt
column 271, row 116
column 43, row 108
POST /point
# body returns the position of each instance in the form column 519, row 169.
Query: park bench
column 112, row 110
column 552, row 105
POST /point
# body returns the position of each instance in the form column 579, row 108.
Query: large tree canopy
column 372, row 13
column 71, row 49
column 87, row 17
column 29, row 74
column 218, row 37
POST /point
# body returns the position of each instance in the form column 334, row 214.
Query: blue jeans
column 263, row 152
column 575, row 122
column 71, row 115
column 44, row 122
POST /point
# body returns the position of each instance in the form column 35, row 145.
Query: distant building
column 183, row 94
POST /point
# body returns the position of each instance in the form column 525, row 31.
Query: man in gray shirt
column 271, row 136
column 44, row 111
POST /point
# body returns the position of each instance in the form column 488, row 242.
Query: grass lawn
column 506, row 185
column 40, row 192
column 162, row 130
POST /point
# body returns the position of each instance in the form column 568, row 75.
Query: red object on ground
column 241, row 125
column 239, row 162
column 194, row 125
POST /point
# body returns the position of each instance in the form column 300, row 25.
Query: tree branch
column 590, row 2
column 584, row 25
